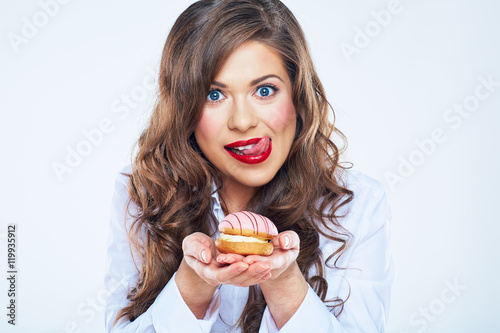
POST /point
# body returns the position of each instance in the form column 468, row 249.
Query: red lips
column 250, row 158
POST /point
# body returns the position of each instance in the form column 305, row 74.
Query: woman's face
column 248, row 120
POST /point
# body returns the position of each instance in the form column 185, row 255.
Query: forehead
column 251, row 60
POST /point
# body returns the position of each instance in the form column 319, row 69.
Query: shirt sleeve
column 367, row 280
column 169, row 312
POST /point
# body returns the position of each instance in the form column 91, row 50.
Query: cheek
column 283, row 117
column 207, row 127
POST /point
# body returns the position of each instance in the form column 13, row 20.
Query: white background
column 88, row 59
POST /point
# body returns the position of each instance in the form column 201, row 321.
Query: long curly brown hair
column 172, row 182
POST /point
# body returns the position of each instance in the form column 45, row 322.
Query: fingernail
column 287, row 241
column 260, row 269
column 204, row 256
column 242, row 268
column 267, row 276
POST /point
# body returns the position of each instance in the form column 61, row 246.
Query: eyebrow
column 254, row 82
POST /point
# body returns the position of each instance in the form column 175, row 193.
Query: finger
column 255, row 274
column 255, row 279
column 252, row 259
column 278, row 259
column 259, row 267
column 199, row 252
column 252, row 275
column 289, row 240
column 265, row 277
column 200, row 237
column 229, row 258
column 196, row 246
column 226, row 274
column 203, row 269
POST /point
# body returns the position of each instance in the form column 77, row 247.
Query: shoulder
column 123, row 210
column 359, row 181
column 365, row 188
column 366, row 214
column 122, row 177
column 369, row 209
column 121, row 197
column 121, row 183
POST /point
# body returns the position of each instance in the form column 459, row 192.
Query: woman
column 241, row 123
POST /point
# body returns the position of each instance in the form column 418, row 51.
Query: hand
column 287, row 288
column 286, row 250
column 199, row 253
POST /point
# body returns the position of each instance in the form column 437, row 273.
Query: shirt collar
column 217, row 208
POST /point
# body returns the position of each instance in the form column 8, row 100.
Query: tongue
column 259, row 148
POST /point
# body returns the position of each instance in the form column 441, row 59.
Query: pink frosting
column 248, row 220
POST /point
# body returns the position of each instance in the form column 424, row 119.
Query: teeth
column 236, row 151
column 245, row 147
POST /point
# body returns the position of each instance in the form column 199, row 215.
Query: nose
column 242, row 117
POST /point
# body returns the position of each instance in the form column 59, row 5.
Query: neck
column 236, row 196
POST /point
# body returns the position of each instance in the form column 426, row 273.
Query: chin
column 257, row 180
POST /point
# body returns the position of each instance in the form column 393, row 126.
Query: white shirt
column 369, row 276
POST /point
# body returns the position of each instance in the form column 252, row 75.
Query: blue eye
column 266, row 91
column 214, row 96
